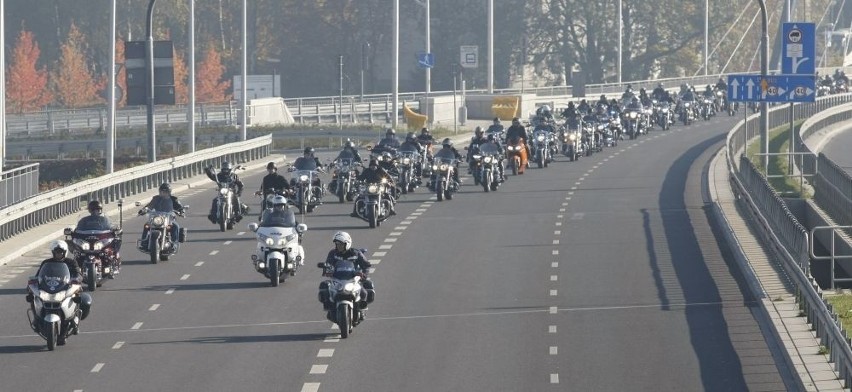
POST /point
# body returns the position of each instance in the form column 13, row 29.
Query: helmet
column 165, row 187
column 603, row 97
column 660, row 85
column 59, row 245
column 478, row 131
column 390, row 132
column 496, row 120
column 95, row 205
column 709, row 87
column 516, row 120
column 490, row 137
column 349, row 144
column 424, row 131
column 447, row 143
column 226, row 167
column 344, row 238
column 271, row 166
column 642, row 90
column 279, row 202
column 373, row 162
column 410, row 137
column 309, row 151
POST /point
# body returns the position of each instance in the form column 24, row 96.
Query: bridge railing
column 780, row 229
column 48, row 206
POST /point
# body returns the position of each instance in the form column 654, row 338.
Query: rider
column 602, row 101
column 628, row 93
column 475, row 141
column 97, row 221
column 309, row 162
column 518, row 131
column 708, row 92
column 390, row 140
column 343, row 257
column 272, row 180
column 544, row 113
column 349, row 148
column 659, row 92
column 721, row 85
column 492, row 141
column 496, row 127
column 448, row 151
column 166, row 202
column 411, row 144
column 228, row 176
column 59, row 252
column 374, row 174
column 279, row 215
column 584, row 107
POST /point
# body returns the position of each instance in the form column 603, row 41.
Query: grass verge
column 779, row 141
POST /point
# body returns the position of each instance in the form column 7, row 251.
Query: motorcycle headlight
column 270, row 242
column 406, row 161
column 444, row 167
column 572, row 137
column 223, row 191
column 540, row 138
column 82, row 244
column 282, row 242
column 665, row 110
column 686, row 104
column 373, row 188
column 487, row 159
column 99, row 245
column 303, row 177
column 349, row 287
column 477, row 157
column 634, row 114
column 434, row 167
column 158, row 221
column 261, row 265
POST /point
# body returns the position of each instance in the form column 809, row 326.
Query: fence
column 18, row 184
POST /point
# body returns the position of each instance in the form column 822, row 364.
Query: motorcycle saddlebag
column 85, row 305
column 182, row 235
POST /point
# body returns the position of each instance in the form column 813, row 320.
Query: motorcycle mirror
column 301, row 228
column 138, row 203
column 252, row 227
column 67, row 231
column 321, row 265
column 118, row 231
column 369, row 148
column 186, row 207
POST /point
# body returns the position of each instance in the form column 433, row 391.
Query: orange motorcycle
column 516, row 153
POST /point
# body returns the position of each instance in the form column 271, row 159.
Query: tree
column 209, row 86
column 122, row 72
column 74, row 85
column 180, row 73
column 26, row 84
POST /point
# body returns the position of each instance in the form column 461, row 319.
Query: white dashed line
column 371, row 270
column 228, row 242
column 411, row 217
column 154, row 307
column 420, row 210
column 405, row 222
column 554, row 278
column 553, row 293
column 569, row 194
column 553, row 310
column 560, row 216
column 554, row 350
column 400, row 228
column 554, row 264
column 416, row 213
column 555, row 242
column 578, row 216
column 241, row 233
column 558, row 223
column 557, row 232
column 137, row 325
column 199, row 264
column 375, row 261
column 117, row 345
column 572, row 188
column 97, row 368
column 396, row 233
column 390, row 239
column 555, row 251
column 184, row 277
column 564, row 204
column 578, row 183
column 310, row 387
column 379, row 254
column 554, row 378
column 170, row 291
column 551, row 329
column 213, row 252
column 385, row 246
column 591, row 170
column 331, row 339
column 325, row 352
column 319, row 369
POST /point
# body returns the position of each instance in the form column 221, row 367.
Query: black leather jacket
column 361, row 262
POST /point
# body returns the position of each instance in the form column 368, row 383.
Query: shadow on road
column 30, row 348
column 303, row 337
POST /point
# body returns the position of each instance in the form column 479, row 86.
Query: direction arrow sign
column 798, row 51
column 775, row 88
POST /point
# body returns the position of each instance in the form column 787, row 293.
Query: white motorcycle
column 57, row 304
column 279, row 246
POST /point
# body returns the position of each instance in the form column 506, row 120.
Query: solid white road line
column 318, row 369
column 154, row 307
column 325, row 353
column 97, row 368
column 310, row 387
column 117, row 345
column 137, row 325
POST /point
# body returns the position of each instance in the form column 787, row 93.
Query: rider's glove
column 141, row 212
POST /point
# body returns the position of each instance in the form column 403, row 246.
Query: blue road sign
column 425, row 60
column 773, row 88
column 798, row 52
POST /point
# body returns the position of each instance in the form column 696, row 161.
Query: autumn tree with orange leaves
column 181, row 77
column 209, row 86
column 122, row 72
column 26, row 85
column 73, row 82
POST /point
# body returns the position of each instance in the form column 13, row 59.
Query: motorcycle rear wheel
column 91, row 279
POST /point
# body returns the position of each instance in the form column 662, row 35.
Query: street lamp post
column 764, row 68
column 365, row 47
column 110, row 145
column 244, row 72
column 191, row 104
column 395, row 64
column 706, row 33
column 620, row 40
column 2, row 86
column 149, row 65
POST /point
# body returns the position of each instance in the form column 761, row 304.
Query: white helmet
column 279, row 201
column 343, row 237
column 59, row 244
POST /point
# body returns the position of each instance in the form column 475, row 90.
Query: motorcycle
column 632, row 123
column 157, row 239
column 572, row 144
column 94, row 253
column 279, row 247
column 346, row 297
column 664, row 116
column 372, row 205
column 686, row 114
column 442, row 177
column 57, row 304
column 343, row 179
column 487, row 159
column 225, row 210
column 308, row 195
column 541, row 147
column 706, row 109
column 516, row 153
column 406, row 179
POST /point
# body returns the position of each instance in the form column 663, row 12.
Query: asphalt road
column 837, row 148
column 605, row 274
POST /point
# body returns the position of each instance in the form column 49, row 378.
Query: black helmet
column 410, row 137
column 496, row 120
column 349, row 144
column 271, row 166
column 390, row 132
column 309, row 150
column 642, row 90
column 226, row 167
column 95, row 205
column 478, row 131
column 373, row 162
column 424, row 131
column 165, row 187
column 516, row 120
column 660, row 85
column 603, row 97
column 447, row 143
column 490, row 137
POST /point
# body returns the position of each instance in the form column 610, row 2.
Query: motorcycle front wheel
column 52, row 335
column 223, row 219
column 274, row 277
column 154, row 246
column 91, row 279
column 344, row 320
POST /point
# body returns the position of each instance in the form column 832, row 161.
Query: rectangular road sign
column 798, row 51
column 425, row 60
column 773, row 88
column 469, row 56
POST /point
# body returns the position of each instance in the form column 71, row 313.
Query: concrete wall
column 269, row 111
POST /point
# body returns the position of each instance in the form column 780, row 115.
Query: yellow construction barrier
column 415, row 120
column 505, row 108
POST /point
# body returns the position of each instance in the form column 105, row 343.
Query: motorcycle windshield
column 274, row 218
column 303, row 175
column 92, row 223
column 489, row 149
column 406, row 150
column 346, row 155
column 345, row 270
column 53, row 277
column 445, row 155
column 305, row 164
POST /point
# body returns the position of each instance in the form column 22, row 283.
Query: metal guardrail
column 780, row 229
column 68, row 200
column 18, row 184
